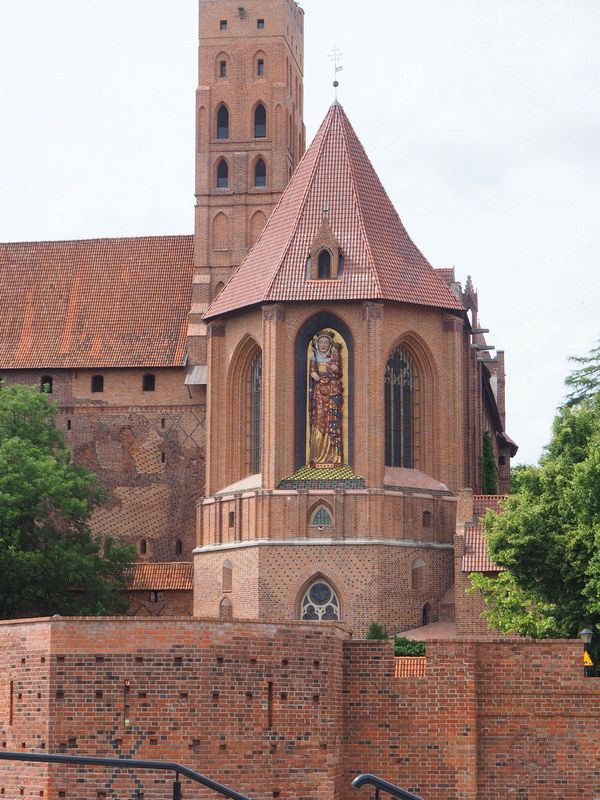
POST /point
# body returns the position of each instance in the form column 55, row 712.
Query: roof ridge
column 302, row 202
column 358, row 205
column 100, row 239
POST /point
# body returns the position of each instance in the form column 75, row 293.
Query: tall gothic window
column 222, row 123
column 255, row 413
column 399, row 398
column 260, row 173
column 260, row 121
column 222, row 174
column 324, row 267
column 320, row 602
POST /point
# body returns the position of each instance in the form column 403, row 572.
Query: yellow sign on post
column 587, row 660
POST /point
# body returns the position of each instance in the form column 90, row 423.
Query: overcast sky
column 481, row 118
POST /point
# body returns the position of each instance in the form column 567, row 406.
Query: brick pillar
column 214, row 407
column 452, row 466
column 369, row 453
column 273, row 394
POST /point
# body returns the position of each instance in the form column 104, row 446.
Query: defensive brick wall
column 293, row 710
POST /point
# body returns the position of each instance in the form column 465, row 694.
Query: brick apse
column 293, row 710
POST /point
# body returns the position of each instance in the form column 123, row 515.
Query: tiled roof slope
column 95, row 303
column 161, row 577
column 380, row 260
column 476, row 558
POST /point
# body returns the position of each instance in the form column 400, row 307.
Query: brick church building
column 285, row 406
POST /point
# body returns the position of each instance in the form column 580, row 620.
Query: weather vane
column 335, row 56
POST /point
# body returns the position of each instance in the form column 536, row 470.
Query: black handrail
column 381, row 785
column 129, row 763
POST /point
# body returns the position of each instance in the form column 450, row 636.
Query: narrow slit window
column 260, row 67
column 222, row 69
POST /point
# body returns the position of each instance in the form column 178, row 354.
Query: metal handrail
column 129, row 763
column 381, row 785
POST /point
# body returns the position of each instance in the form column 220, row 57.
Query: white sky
column 481, row 118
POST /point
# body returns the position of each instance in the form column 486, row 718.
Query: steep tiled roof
column 380, row 260
column 476, row 558
column 446, row 274
column 95, row 303
column 160, row 577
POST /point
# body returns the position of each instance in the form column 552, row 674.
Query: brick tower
column 249, row 136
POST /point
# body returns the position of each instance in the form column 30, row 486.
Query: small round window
column 320, row 602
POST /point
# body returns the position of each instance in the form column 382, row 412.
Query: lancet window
column 260, row 121
column 222, row 123
column 255, row 410
column 399, row 402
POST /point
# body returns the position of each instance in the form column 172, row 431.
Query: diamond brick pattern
column 380, row 260
column 95, row 303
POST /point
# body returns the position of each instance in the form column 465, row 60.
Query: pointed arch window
column 324, row 265
column 255, row 411
column 321, row 517
column 222, row 174
column 260, row 121
column 222, row 122
column 399, row 402
column 260, row 173
column 320, row 602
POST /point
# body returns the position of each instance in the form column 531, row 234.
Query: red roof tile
column 380, row 260
column 160, row 577
column 446, row 274
column 410, row 667
column 95, row 303
column 481, row 503
column 476, row 558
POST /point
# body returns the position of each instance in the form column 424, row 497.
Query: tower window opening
column 222, row 123
column 260, row 67
column 255, row 412
column 46, row 384
column 143, row 547
column 320, row 602
column 324, row 268
column 260, row 23
column 178, row 547
column 399, row 396
column 222, row 174
column 222, row 69
column 222, row 24
column 97, row 383
column 260, row 122
column 148, row 383
column 260, row 173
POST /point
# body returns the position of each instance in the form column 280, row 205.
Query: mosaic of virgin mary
column 325, row 401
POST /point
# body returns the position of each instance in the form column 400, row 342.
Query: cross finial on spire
column 335, row 55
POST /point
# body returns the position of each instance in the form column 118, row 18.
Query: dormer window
column 325, row 259
column 324, row 265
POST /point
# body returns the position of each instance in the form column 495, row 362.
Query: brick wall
column 147, row 448
column 294, row 710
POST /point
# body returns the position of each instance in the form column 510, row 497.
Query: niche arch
column 221, row 230
column 425, row 430
column 257, row 224
column 317, row 512
column 315, row 323
column 244, row 421
column 222, row 58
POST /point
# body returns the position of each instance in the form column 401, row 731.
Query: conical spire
column 380, row 261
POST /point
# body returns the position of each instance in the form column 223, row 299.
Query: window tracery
column 320, row 602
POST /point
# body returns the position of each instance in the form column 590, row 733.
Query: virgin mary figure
column 326, row 400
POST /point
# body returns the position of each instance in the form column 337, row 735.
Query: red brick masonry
column 294, row 710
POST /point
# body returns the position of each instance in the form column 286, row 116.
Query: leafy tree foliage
column 489, row 476
column 516, row 473
column 377, row 631
column 548, row 538
column 584, row 381
column 408, row 647
column 49, row 560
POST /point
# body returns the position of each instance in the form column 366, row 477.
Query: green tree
column 489, row 476
column 49, row 560
column 584, row 381
column 548, row 537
